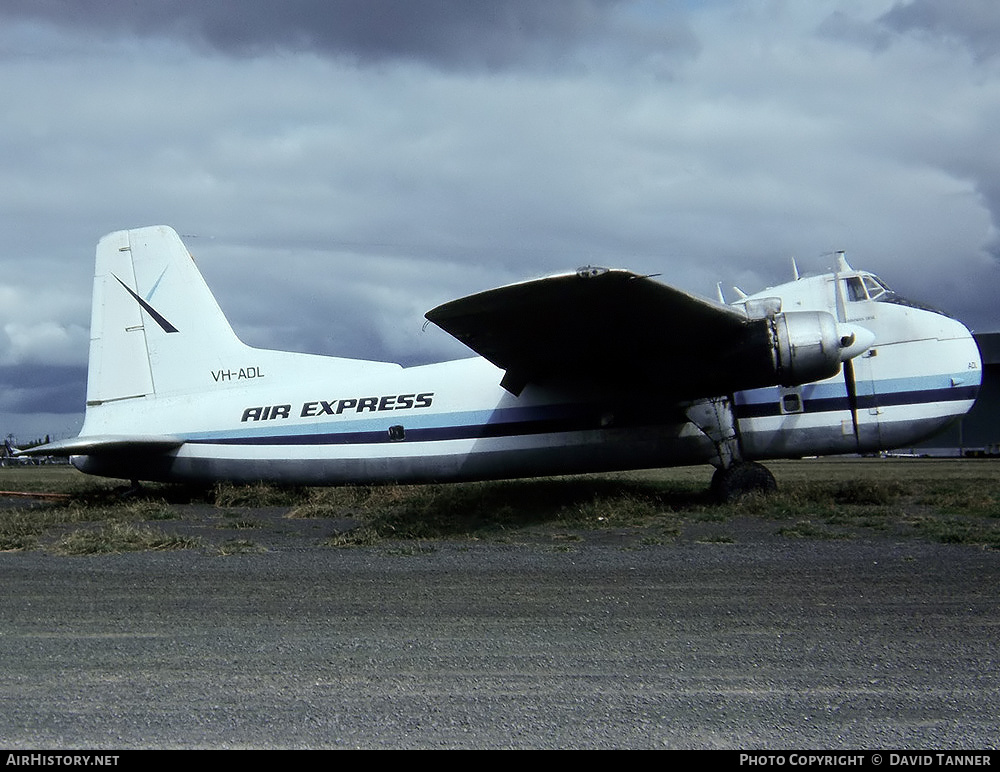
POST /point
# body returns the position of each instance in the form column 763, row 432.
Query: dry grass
column 117, row 536
column 951, row 501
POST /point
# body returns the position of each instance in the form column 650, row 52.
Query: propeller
column 852, row 397
column 854, row 341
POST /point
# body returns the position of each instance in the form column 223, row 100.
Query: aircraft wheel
column 741, row 479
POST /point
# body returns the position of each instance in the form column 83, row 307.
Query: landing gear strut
column 740, row 479
column 733, row 476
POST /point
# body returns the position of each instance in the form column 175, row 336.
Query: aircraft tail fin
column 155, row 325
column 157, row 330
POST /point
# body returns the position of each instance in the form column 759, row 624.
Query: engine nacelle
column 781, row 349
column 805, row 346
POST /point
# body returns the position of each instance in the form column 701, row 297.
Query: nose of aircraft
column 967, row 343
column 922, row 371
column 950, row 348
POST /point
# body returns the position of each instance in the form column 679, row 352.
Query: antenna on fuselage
column 795, row 270
column 841, row 265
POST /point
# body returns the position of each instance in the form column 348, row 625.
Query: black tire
column 741, row 479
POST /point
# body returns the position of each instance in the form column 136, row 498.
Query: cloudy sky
column 338, row 167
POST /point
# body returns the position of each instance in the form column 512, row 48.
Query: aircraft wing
column 609, row 328
column 103, row 445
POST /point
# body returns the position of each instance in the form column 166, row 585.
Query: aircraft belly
column 445, row 460
column 893, row 426
column 903, row 425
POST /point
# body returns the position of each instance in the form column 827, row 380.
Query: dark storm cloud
column 444, row 33
column 33, row 388
column 974, row 23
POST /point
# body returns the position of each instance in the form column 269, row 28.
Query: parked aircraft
column 590, row 371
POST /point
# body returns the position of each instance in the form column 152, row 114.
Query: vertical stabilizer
column 157, row 330
column 155, row 326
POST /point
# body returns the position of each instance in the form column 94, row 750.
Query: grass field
column 943, row 500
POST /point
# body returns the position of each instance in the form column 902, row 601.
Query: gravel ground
column 605, row 642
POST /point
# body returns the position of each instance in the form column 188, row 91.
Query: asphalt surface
column 766, row 643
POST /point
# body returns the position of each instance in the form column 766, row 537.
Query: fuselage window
column 791, row 403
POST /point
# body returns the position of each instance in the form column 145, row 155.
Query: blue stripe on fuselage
column 526, row 421
column 505, row 422
column 832, row 396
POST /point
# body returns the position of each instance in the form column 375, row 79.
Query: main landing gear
column 733, row 476
column 742, row 478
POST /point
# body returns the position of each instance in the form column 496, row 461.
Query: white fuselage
column 453, row 421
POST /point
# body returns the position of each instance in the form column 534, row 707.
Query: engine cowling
column 805, row 346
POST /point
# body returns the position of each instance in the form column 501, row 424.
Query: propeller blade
column 852, row 397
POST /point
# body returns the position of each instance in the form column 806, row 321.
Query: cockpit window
column 866, row 287
column 875, row 287
column 856, row 289
column 869, row 287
